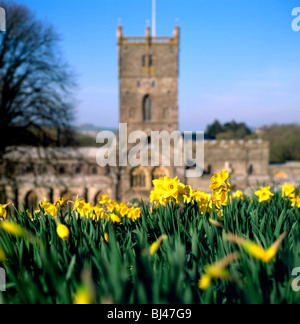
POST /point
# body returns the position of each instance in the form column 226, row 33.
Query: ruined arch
column 31, row 200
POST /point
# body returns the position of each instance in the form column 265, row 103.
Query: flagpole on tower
column 153, row 18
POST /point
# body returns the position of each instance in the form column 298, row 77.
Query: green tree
column 214, row 129
column 230, row 130
column 284, row 142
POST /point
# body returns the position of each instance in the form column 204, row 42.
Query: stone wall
column 247, row 162
column 69, row 174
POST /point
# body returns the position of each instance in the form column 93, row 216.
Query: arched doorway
column 160, row 172
column 31, row 200
column 98, row 197
column 67, row 196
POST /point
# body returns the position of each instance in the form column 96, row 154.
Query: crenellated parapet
column 256, row 143
column 147, row 39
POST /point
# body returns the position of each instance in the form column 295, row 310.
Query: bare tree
column 35, row 83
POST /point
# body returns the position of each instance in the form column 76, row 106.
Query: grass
column 122, row 270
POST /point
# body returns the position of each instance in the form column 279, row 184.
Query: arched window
column 138, row 178
column 160, row 172
column 31, row 200
column 151, row 60
column 61, row 170
column 250, row 169
column 29, row 169
column 147, row 108
column 67, row 196
column 98, row 197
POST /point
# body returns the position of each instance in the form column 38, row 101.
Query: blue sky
column 238, row 59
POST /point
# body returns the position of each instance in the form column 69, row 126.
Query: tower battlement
column 236, row 143
column 148, row 39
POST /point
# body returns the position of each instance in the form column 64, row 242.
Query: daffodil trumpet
column 19, row 232
column 255, row 250
column 218, row 271
column 156, row 245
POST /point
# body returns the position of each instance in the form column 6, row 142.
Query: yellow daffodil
column 31, row 216
column 82, row 296
column 112, row 206
column 42, row 202
column 198, row 195
column 288, row 191
column 156, row 245
column 13, row 229
column 123, row 209
column 217, row 271
column 3, row 211
column 79, row 205
column 106, row 238
column 87, row 210
column 204, row 202
column 238, row 195
column 167, row 190
column 134, row 213
column 218, row 224
column 296, row 202
column 189, row 194
column 99, row 212
column 105, row 200
column 220, row 214
column 50, row 208
column 220, row 198
column 86, row 293
column 220, row 188
column 157, row 196
column 63, row 232
column 114, row 218
column 18, row 231
column 219, row 181
column 204, row 282
column 256, row 250
column 264, row 194
column 60, row 201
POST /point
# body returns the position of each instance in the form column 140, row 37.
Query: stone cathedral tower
column 148, row 93
column 148, row 75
